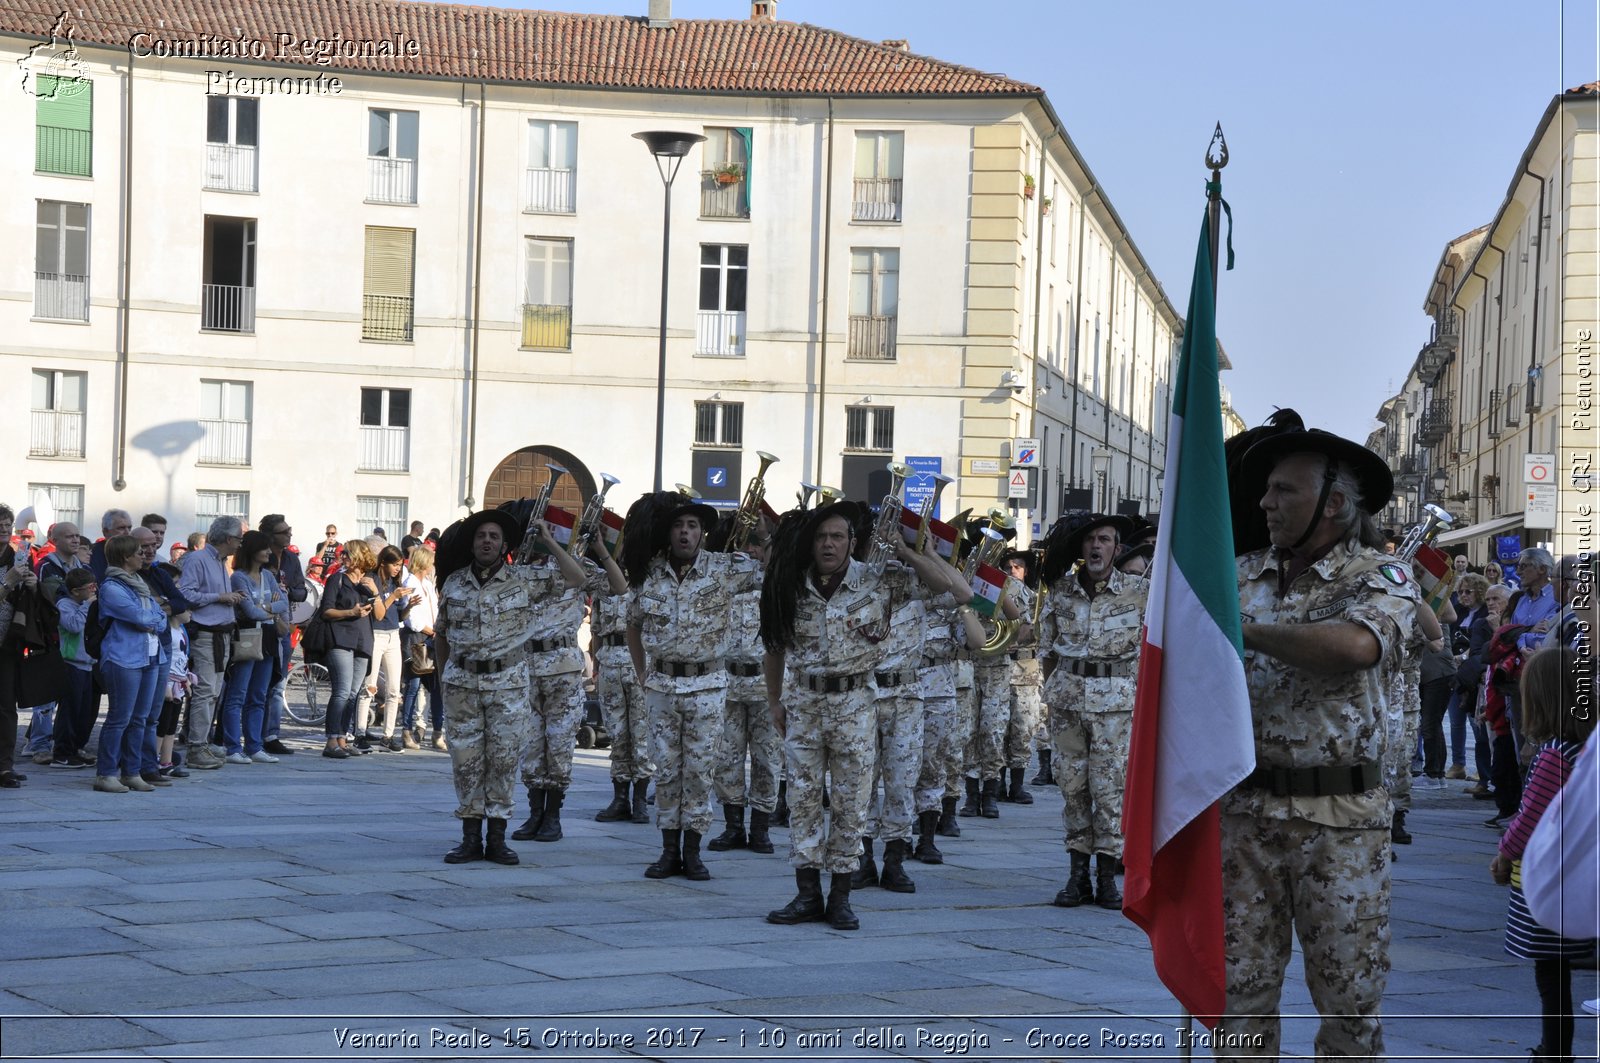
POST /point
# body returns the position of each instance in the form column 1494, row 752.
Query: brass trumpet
column 928, row 506
column 886, row 532
column 749, row 515
column 530, row 535
column 806, row 491
column 589, row 523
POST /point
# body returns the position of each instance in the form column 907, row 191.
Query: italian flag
column 561, row 524
column 987, row 585
column 910, row 525
column 944, row 538
column 610, row 530
column 1192, row 738
column 1435, row 573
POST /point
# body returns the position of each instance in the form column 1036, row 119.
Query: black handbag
column 316, row 638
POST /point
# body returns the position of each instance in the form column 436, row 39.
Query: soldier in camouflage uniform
column 1305, row 838
column 955, row 757
column 560, row 584
column 824, row 618
column 1089, row 639
column 1403, row 716
column 678, row 635
column 485, row 612
column 622, row 705
column 1027, row 702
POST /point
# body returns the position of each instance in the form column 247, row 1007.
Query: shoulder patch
column 1394, row 573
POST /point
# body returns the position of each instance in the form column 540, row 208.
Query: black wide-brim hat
column 1371, row 472
column 974, row 530
column 1081, row 524
column 455, row 542
column 708, row 515
column 1146, row 550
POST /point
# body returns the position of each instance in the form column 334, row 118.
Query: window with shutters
column 869, row 428
column 391, row 156
column 232, row 131
column 879, row 167
column 874, row 302
column 725, row 180
column 378, row 511
column 552, row 179
column 65, row 499
column 385, row 429
column 724, row 280
column 61, row 261
column 64, row 130
column 228, row 278
column 547, row 301
column 209, row 505
column 719, row 424
column 225, row 418
column 57, row 414
column 386, row 302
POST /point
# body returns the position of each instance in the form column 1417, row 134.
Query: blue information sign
column 920, row 486
column 716, row 476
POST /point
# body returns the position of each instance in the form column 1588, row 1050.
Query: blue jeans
column 244, row 702
column 343, row 686
column 129, row 693
column 277, row 703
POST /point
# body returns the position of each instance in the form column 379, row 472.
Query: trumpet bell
column 686, row 491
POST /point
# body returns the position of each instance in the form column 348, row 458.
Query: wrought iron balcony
column 1435, row 422
column 1409, row 472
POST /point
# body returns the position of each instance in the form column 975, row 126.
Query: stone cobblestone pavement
column 301, row 911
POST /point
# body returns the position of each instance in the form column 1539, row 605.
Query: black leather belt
column 482, row 666
column 894, row 679
column 1102, row 669
column 684, row 669
column 620, row 638
column 1323, row 781
column 834, row 684
column 560, row 642
column 743, row 669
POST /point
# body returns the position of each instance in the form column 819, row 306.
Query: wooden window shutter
column 389, row 261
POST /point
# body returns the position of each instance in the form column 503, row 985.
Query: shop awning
column 1474, row 531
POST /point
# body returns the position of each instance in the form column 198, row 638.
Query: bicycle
column 310, row 682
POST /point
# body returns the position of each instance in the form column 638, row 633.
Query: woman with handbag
column 346, row 609
column 421, row 668
column 262, row 608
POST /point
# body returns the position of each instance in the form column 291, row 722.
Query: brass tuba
column 1005, row 631
column 886, row 532
column 589, row 523
column 749, row 515
column 530, row 535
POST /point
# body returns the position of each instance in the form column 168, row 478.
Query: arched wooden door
column 523, row 475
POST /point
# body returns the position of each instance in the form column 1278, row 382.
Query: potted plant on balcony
column 1044, row 206
column 1027, row 186
column 729, row 173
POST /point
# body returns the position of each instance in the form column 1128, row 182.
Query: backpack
column 94, row 630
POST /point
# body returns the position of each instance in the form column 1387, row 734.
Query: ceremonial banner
column 944, row 538
column 987, row 584
column 561, row 525
column 910, row 526
column 610, row 530
column 1435, row 574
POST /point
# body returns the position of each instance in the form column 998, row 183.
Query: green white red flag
column 987, row 585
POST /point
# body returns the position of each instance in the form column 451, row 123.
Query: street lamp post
column 669, row 148
column 1100, row 462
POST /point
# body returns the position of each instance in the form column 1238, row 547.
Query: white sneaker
column 261, row 756
column 238, row 758
column 1592, row 1006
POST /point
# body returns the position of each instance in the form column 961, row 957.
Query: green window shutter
column 64, row 125
column 747, row 135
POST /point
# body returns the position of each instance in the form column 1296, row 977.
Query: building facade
column 384, row 264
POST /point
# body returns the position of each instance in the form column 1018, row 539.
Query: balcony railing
column 1435, row 421
column 385, row 449
column 386, row 317
column 1514, row 405
column 720, row 332
column 63, row 296
column 875, row 199
column 225, row 442
column 1496, row 398
column 65, row 151
column 228, row 307
column 231, row 167
column 552, row 191
column 718, row 200
column 56, row 434
column 872, row 338
column 391, row 180
column 545, row 325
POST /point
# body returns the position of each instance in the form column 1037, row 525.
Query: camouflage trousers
column 1331, row 885
column 898, row 757
column 486, row 730
column 938, row 748
column 557, row 702
column 1400, row 725
column 1091, row 751
column 829, row 738
column 984, row 752
column 622, row 708
column 956, row 755
column 685, row 730
column 747, row 732
column 1027, row 716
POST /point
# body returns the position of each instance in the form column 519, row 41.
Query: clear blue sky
column 1363, row 137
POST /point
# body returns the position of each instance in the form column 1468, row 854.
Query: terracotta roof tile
column 532, row 47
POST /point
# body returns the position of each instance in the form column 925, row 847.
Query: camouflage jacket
column 842, row 635
column 489, row 621
column 1102, row 630
column 690, row 621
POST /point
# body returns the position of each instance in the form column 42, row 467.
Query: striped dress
column 1525, row 938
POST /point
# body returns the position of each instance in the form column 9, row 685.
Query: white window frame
column 552, row 188
column 57, row 430
column 226, row 412
column 65, row 499
column 211, row 503
column 389, row 512
column 60, row 290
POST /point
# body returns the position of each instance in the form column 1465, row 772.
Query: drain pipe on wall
column 827, row 256
column 477, row 302
column 1534, row 369
column 119, row 471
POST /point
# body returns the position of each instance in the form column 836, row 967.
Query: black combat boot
column 734, row 836
column 1106, row 894
column 618, row 808
column 530, row 826
column 550, row 825
column 1046, row 776
column 948, row 827
column 839, row 914
column 1077, row 890
column 471, row 847
column 641, row 814
column 894, row 877
column 780, row 814
column 988, row 802
column 671, row 861
column 807, row 904
column 867, row 874
column 495, row 848
column 1019, row 793
column 973, row 805
column 1397, row 830
column 760, row 840
column 927, row 852
column 694, row 868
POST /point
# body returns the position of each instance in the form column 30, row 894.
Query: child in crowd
column 77, row 710
column 1551, row 691
column 179, row 682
